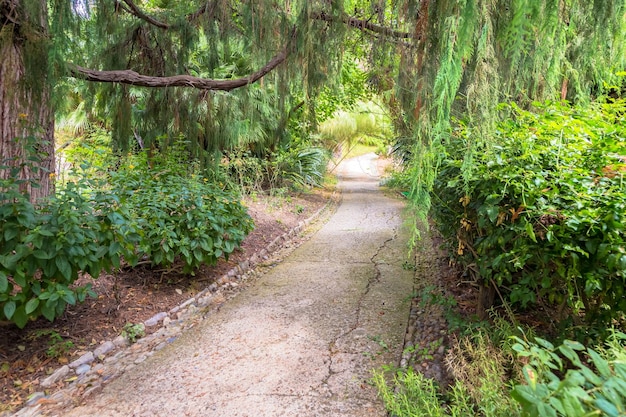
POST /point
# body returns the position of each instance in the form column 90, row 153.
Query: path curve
column 303, row 338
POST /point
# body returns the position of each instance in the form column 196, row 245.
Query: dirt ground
column 130, row 296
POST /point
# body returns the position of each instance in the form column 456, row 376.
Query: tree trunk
column 486, row 297
column 26, row 119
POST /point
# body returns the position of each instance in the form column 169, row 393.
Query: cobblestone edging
column 426, row 336
column 94, row 369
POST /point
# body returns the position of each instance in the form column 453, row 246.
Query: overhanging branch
column 133, row 78
column 363, row 25
column 133, row 9
column 136, row 11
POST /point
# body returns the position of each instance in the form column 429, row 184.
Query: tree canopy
column 224, row 72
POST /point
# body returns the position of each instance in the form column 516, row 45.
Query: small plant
column 408, row 266
column 57, row 346
column 413, row 395
column 132, row 332
column 379, row 340
column 432, row 295
column 572, row 380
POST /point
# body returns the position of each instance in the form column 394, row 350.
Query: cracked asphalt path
column 303, row 339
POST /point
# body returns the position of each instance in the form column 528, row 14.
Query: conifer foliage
column 221, row 73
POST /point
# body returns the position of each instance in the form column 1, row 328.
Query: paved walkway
column 303, row 339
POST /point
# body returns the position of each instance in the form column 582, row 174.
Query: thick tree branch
column 363, row 25
column 132, row 8
column 136, row 11
column 133, row 78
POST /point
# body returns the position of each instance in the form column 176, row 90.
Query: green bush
column 572, row 380
column 299, row 165
column 179, row 217
column 157, row 213
column 43, row 249
column 542, row 211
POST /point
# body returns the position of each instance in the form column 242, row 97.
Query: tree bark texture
column 26, row 120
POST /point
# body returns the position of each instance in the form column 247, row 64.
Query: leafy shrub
column 43, row 249
column 247, row 171
column 179, row 217
column 573, row 380
column 161, row 214
column 300, row 165
column 542, row 211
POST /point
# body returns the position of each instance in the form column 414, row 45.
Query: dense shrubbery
column 542, row 212
column 571, row 379
column 300, row 165
column 43, row 249
column 162, row 214
column 178, row 215
column 516, row 375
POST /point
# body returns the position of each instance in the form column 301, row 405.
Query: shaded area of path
column 301, row 340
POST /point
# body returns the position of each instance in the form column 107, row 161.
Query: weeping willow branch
column 363, row 25
column 133, row 78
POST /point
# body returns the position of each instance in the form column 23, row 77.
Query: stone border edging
column 111, row 358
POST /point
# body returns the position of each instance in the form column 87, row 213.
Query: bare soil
column 130, row 296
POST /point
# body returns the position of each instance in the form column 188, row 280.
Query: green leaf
column 4, row 282
column 42, row 254
column 44, row 232
column 48, row 312
column 20, row 318
column 607, row 407
column 9, row 309
column 114, row 248
column 544, row 343
column 590, row 375
column 492, row 213
column 10, row 233
column 64, row 267
column 69, row 298
column 557, row 404
column 20, row 278
column 600, row 363
column 545, row 410
column 531, row 232
column 570, row 354
column 31, row 305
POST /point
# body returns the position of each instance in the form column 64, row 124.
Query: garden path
column 303, row 339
